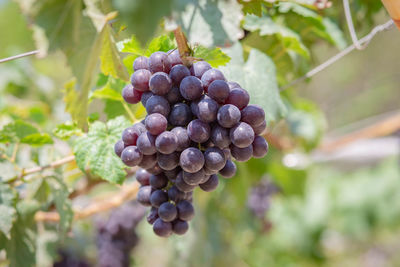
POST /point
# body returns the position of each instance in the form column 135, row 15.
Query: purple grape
column 118, row 147
column 153, row 215
column 259, row 129
column 242, row 154
column 198, row 131
column 157, row 104
column 131, row 95
column 214, row 159
column 148, row 161
column 180, row 227
column 194, row 107
column 191, row 160
column 147, row 143
column 182, row 185
column 130, row 136
column 211, row 184
column 160, row 83
column 185, row 210
column 260, row 147
column 143, row 195
column 131, row 156
column 174, row 57
column 220, row 136
column 229, row 170
column 159, row 61
column 218, row 90
column 145, row 97
column 139, row 126
column 228, row 115
column 158, row 181
column 233, row 85
column 158, row 197
column 208, row 171
column 174, row 95
column 155, row 170
column 156, row 123
column 211, row 75
column 161, row 228
column 143, row 177
column 167, row 212
column 253, row 115
column 166, row 142
column 193, row 178
column 238, row 97
column 198, row 68
column 178, row 72
column 172, row 174
column 242, row 135
column 141, row 63
column 191, row 88
column 207, row 109
column 183, row 138
column 175, row 194
column 180, row 115
column 140, row 80
column 168, row 161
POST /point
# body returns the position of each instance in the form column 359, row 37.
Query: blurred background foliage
column 302, row 205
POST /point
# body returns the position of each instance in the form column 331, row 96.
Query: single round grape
column 178, row 72
column 159, row 61
column 140, row 80
column 182, row 185
column 242, row 154
column 143, row 177
column 253, row 115
column 141, row 63
column 207, row 109
column 198, row 131
column 191, row 88
column 131, row 95
column 180, row 227
column 219, row 91
column 139, row 126
column 185, row 210
column 118, row 147
column 228, row 115
column 211, row 75
column 260, row 147
column 220, row 136
column 155, row 170
column 130, row 136
column 180, row 115
column 147, row 143
column 156, row 123
column 131, row 156
column 175, row 194
column 160, row 83
column 145, row 97
column 233, row 85
column 158, row 181
column 214, row 159
column 168, row 161
column 191, row 160
column 242, row 135
column 211, row 184
column 198, row 68
column 229, row 170
column 238, row 97
column 193, row 178
column 167, row 212
column 174, row 57
column 172, row 174
column 259, row 129
column 161, row 228
column 157, row 104
column 174, row 95
column 158, row 197
column 166, row 142
column 143, row 195
column 183, row 138
column 153, row 215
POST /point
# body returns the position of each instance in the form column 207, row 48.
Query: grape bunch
column 197, row 123
column 116, row 235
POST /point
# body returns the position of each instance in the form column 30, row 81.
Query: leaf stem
column 129, row 111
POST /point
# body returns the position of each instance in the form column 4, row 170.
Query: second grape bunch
column 197, row 124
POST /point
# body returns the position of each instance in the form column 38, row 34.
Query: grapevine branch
column 52, row 165
column 30, row 53
column 127, row 192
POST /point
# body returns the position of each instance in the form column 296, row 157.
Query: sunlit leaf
column 214, row 56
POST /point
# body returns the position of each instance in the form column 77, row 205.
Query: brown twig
column 30, row 53
column 183, row 47
column 127, row 192
column 54, row 164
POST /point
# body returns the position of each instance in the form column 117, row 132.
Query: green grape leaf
column 113, row 109
column 252, row 7
column 162, row 43
column 258, row 76
column 211, row 22
column 37, row 139
column 66, row 130
column 111, row 62
column 106, row 93
column 131, row 45
column 74, row 104
column 15, row 131
column 62, row 203
column 214, row 56
column 96, row 150
column 7, row 210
